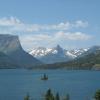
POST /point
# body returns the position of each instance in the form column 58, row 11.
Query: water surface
column 16, row 83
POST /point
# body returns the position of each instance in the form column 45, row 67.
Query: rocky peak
column 59, row 49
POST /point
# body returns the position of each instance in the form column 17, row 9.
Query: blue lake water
column 16, row 83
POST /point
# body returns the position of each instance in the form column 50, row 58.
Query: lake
column 79, row 84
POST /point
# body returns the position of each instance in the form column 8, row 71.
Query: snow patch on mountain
column 68, row 53
column 41, row 52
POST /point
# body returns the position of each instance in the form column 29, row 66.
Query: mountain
column 10, row 46
column 92, row 49
column 5, row 61
column 89, row 60
column 56, row 54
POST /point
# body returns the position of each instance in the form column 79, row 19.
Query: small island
column 45, row 77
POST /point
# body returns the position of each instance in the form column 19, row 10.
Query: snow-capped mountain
column 78, row 52
column 56, row 54
column 39, row 52
column 93, row 49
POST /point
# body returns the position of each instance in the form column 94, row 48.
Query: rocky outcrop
column 11, row 47
column 9, row 44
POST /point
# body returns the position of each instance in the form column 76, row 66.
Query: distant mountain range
column 12, row 55
column 56, row 54
column 88, row 60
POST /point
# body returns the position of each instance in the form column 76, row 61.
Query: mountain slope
column 23, row 59
column 10, row 46
column 6, row 62
column 90, row 60
column 87, row 61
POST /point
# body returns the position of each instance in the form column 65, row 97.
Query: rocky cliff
column 11, row 47
column 9, row 44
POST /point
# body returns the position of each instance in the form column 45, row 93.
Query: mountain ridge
column 56, row 54
column 89, row 61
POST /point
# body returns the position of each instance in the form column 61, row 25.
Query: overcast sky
column 69, row 23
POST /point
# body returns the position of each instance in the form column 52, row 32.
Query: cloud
column 49, row 39
column 12, row 21
column 35, row 40
column 13, row 24
column 73, row 36
column 80, row 23
column 43, row 34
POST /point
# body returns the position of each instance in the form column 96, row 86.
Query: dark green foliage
column 97, row 95
column 67, row 97
column 57, row 97
column 27, row 97
column 49, row 95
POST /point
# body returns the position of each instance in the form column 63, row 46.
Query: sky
column 46, row 23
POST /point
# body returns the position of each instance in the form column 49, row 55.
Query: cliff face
column 10, row 46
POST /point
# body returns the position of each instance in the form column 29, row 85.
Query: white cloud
column 73, row 36
column 48, row 39
column 80, row 23
column 13, row 24
column 30, row 34
column 9, row 21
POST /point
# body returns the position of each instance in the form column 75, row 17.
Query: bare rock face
column 9, row 43
column 10, row 46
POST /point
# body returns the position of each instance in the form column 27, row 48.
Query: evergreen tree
column 67, row 97
column 57, row 97
column 49, row 95
column 27, row 97
column 97, row 95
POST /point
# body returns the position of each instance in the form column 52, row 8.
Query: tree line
column 50, row 96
